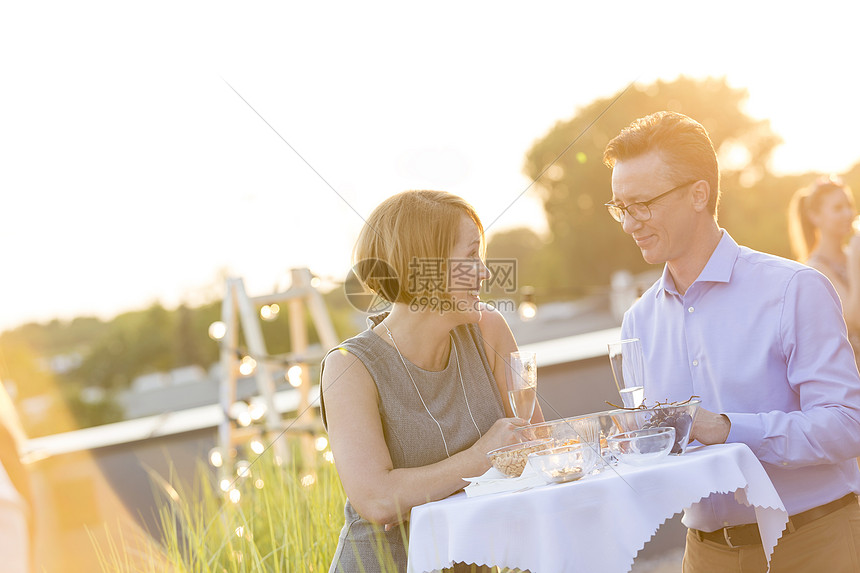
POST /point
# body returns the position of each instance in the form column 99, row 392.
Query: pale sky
column 131, row 172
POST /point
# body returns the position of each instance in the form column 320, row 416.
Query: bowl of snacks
column 511, row 460
column 642, row 447
column 673, row 415
column 564, row 463
column 565, row 431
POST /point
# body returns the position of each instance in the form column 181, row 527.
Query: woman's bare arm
column 377, row 491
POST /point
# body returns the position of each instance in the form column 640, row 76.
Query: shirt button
column 690, row 310
column 695, row 362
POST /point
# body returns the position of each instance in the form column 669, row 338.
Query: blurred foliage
column 585, row 246
column 282, row 518
column 59, row 363
column 529, row 251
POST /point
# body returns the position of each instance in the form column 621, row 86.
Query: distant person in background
column 821, row 233
column 16, row 499
column 413, row 404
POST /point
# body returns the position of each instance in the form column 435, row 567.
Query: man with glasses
column 758, row 338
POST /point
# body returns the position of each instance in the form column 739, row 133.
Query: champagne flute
column 628, row 369
column 522, row 384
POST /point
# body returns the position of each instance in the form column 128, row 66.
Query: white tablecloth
column 596, row 524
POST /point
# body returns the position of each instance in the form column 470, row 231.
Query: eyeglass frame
column 623, row 211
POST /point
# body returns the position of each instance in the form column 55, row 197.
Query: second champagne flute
column 522, row 384
column 628, row 369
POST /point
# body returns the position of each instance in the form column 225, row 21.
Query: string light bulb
column 527, row 308
column 257, row 409
column 294, row 375
column 269, row 312
column 217, row 331
column 239, row 411
column 247, row 366
column 243, row 468
column 216, row 458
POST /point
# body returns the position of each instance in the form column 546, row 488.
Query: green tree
column 757, row 216
column 21, row 365
column 528, row 250
column 586, row 246
column 187, row 349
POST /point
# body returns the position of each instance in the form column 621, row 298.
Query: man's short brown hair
column 682, row 142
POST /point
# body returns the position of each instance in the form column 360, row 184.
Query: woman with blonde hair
column 822, row 236
column 413, row 404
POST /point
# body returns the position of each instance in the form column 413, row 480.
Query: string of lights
column 254, row 424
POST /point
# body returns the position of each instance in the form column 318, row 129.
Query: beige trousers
column 830, row 544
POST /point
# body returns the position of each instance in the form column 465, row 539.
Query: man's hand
column 710, row 428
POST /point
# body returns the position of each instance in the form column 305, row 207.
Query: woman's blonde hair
column 403, row 249
column 802, row 232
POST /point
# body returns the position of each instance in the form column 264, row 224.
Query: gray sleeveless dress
column 412, row 437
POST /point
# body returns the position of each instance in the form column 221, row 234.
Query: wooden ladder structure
column 240, row 310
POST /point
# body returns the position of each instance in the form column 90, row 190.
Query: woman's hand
column 501, row 433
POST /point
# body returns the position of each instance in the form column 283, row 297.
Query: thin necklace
column 462, row 385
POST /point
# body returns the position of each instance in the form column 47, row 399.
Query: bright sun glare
column 143, row 183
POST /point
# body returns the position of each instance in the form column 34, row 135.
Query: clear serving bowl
column 511, row 460
column 565, row 431
column 642, row 447
column 564, row 463
column 678, row 416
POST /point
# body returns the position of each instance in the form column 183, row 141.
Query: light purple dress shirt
column 760, row 339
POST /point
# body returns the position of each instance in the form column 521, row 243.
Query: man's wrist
column 728, row 426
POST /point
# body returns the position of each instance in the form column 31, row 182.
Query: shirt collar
column 718, row 269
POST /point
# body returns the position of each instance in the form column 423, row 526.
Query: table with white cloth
column 598, row 523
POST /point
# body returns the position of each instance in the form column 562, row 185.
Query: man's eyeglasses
column 640, row 211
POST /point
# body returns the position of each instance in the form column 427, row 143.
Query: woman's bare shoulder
column 340, row 366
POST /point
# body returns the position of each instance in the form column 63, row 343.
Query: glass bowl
column 679, row 417
column 642, row 447
column 511, row 460
column 565, row 431
column 564, row 463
